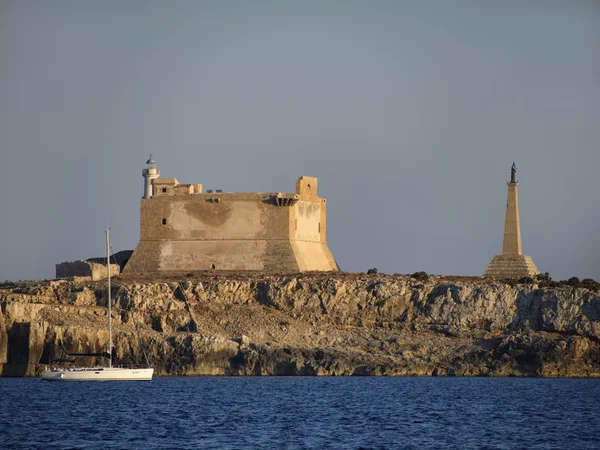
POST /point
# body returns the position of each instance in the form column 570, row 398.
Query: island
column 314, row 323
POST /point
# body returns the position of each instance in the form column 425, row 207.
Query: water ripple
column 302, row 413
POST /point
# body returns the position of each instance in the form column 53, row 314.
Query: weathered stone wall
column 120, row 258
column 308, row 237
column 88, row 269
column 200, row 217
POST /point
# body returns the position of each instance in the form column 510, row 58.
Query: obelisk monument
column 511, row 264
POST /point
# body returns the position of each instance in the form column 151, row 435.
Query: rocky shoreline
column 307, row 324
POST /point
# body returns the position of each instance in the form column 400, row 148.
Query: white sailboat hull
column 99, row 374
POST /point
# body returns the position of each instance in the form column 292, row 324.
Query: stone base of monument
column 512, row 267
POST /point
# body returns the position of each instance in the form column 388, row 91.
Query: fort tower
column 511, row 264
column 183, row 229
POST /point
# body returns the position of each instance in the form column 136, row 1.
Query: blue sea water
column 302, row 413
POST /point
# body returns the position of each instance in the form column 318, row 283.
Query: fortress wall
column 145, row 258
column 73, row 269
column 307, row 220
column 200, row 217
column 202, row 255
column 91, row 270
column 99, row 271
column 309, row 236
column 313, row 256
column 323, row 212
column 189, row 256
column 243, row 231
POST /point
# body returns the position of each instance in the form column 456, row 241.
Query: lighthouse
column 149, row 173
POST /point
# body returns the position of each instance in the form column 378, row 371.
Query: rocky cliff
column 306, row 324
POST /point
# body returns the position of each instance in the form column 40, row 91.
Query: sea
column 302, row 413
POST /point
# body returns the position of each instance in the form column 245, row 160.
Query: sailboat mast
column 109, row 300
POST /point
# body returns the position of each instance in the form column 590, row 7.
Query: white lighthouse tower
column 150, row 173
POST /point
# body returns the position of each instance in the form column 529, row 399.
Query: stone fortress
column 183, row 229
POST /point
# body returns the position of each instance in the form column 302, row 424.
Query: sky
column 410, row 113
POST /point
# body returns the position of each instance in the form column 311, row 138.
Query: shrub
column 372, row 271
column 543, row 277
column 526, row 280
column 590, row 283
column 573, row 281
column 549, row 284
column 421, row 276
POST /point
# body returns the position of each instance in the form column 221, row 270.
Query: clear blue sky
column 409, row 112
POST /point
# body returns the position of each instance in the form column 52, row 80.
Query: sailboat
column 101, row 373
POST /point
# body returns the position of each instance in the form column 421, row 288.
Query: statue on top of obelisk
column 512, row 263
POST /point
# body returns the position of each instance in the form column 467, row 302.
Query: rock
column 316, row 324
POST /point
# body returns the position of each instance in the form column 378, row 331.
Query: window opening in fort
column 212, row 266
column 319, row 227
column 164, row 190
column 164, row 221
